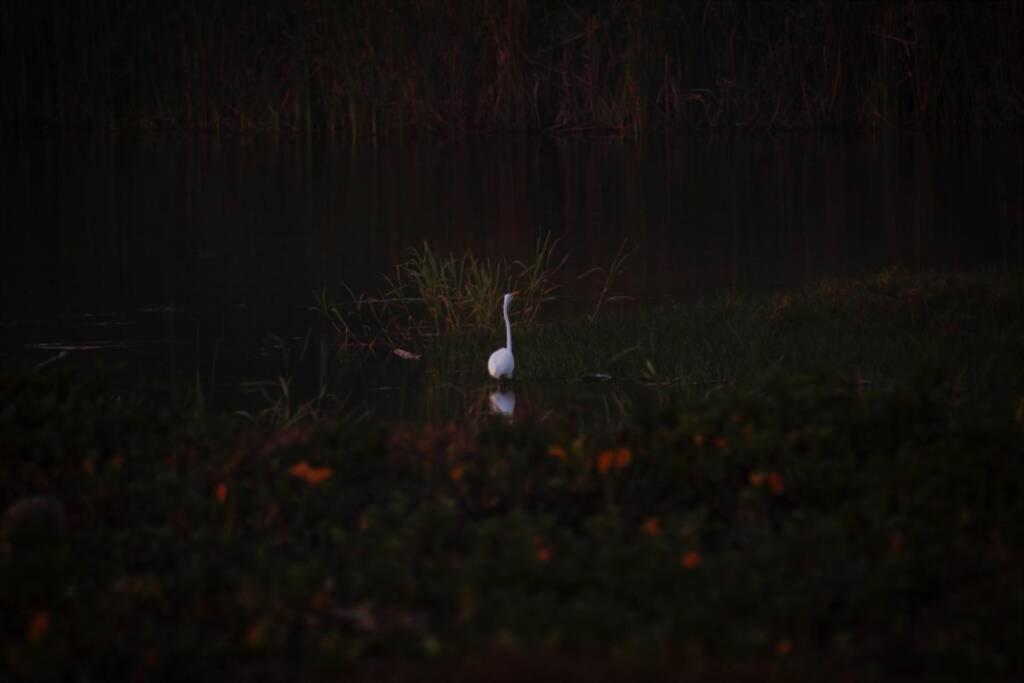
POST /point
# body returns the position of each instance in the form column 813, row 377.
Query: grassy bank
column 359, row 70
column 847, row 499
column 881, row 331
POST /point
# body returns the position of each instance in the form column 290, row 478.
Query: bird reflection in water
column 503, row 403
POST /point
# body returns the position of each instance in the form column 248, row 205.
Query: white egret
column 501, row 363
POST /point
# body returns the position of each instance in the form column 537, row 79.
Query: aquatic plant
column 608, row 277
column 430, row 295
column 282, row 407
column 456, row 293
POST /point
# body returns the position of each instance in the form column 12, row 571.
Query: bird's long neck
column 508, row 328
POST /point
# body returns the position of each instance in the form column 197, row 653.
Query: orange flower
column 319, row 601
column 698, row 439
column 774, row 480
column 39, row 625
column 719, row 441
column 543, row 552
column 254, row 634
column 312, row 475
column 652, row 526
column 456, row 472
column 622, row 458
column 557, row 452
column 618, row 460
column 691, row 559
column 221, row 492
column 895, row 543
column 784, row 647
column 89, row 466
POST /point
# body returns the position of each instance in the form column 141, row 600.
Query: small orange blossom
column 39, row 625
column 895, row 543
column 622, row 458
column 557, row 452
column 311, row 475
column 254, row 634
column 691, row 559
column 652, row 526
column 543, row 551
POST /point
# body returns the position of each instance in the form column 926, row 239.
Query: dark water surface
column 165, row 254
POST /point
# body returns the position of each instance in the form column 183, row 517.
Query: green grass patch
column 882, row 331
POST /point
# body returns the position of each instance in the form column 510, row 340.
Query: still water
column 168, row 255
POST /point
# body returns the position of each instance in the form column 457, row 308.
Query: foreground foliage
column 800, row 523
column 815, row 521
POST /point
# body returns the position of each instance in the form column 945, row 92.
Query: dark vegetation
column 359, row 70
column 821, row 483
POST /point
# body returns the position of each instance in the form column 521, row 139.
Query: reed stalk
column 364, row 70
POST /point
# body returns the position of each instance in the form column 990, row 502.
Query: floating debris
column 50, row 361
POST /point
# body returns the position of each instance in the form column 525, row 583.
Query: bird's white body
column 501, row 364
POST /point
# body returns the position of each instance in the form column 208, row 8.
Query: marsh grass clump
column 460, row 292
column 281, row 406
column 430, row 295
column 608, row 276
